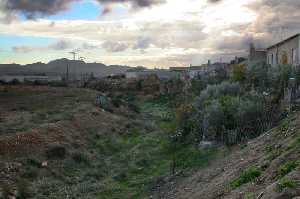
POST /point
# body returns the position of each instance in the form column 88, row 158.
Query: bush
column 285, row 183
column 117, row 101
column 248, row 175
column 288, row 167
column 216, row 91
column 231, row 116
column 257, row 75
column 56, row 151
column 239, row 73
column 80, row 158
column 213, row 120
column 183, row 120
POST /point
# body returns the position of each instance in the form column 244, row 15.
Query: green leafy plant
column 246, row 176
column 285, row 183
column 288, row 167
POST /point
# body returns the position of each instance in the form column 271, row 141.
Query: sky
column 152, row 33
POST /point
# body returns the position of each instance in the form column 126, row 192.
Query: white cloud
column 177, row 32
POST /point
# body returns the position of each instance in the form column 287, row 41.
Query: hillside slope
column 266, row 167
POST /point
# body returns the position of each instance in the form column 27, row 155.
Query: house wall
column 285, row 53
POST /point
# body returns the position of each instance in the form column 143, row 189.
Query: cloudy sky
column 153, row 33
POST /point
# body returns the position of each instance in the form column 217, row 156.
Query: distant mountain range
column 60, row 67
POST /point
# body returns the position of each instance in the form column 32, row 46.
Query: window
column 294, row 56
column 272, row 58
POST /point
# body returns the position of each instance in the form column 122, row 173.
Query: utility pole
column 67, row 77
column 74, row 54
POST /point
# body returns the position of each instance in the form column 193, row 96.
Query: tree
column 239, row 72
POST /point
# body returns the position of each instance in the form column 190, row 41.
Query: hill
column 59, row 67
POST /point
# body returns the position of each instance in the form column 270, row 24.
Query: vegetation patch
column 285, row 183
column 56, row 151
column 250, row 196
column 248, row 175
column 288, row 167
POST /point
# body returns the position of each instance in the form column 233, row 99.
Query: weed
column 250, row 196
column 284, row 126
column 248, row 175
column 287, row 167
column 285, row 183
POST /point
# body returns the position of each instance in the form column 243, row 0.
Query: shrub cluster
column 246, row 176
column 226, row 113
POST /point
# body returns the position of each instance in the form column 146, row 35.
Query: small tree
column 239, row 72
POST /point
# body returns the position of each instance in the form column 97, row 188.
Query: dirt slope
column 270, row 153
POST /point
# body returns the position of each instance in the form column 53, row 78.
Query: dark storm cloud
column 40, row 8
column 276, row 20
column 136, row 3
column 34, row 8
column 214, row 1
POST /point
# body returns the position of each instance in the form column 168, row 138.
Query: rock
column 44, row 163
column 206, row 145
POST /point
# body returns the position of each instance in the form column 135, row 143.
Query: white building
column 285, row 52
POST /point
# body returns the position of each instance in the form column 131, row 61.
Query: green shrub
column 239, row 72
column 248, row 175
column 285, row 183
column 80, row 158
column 288, row 167
column 33, row 162
column 216, row 91
column 117, row 101
column 56, row 151
column 231, row 119
column 250, row 196
column 23, row 190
